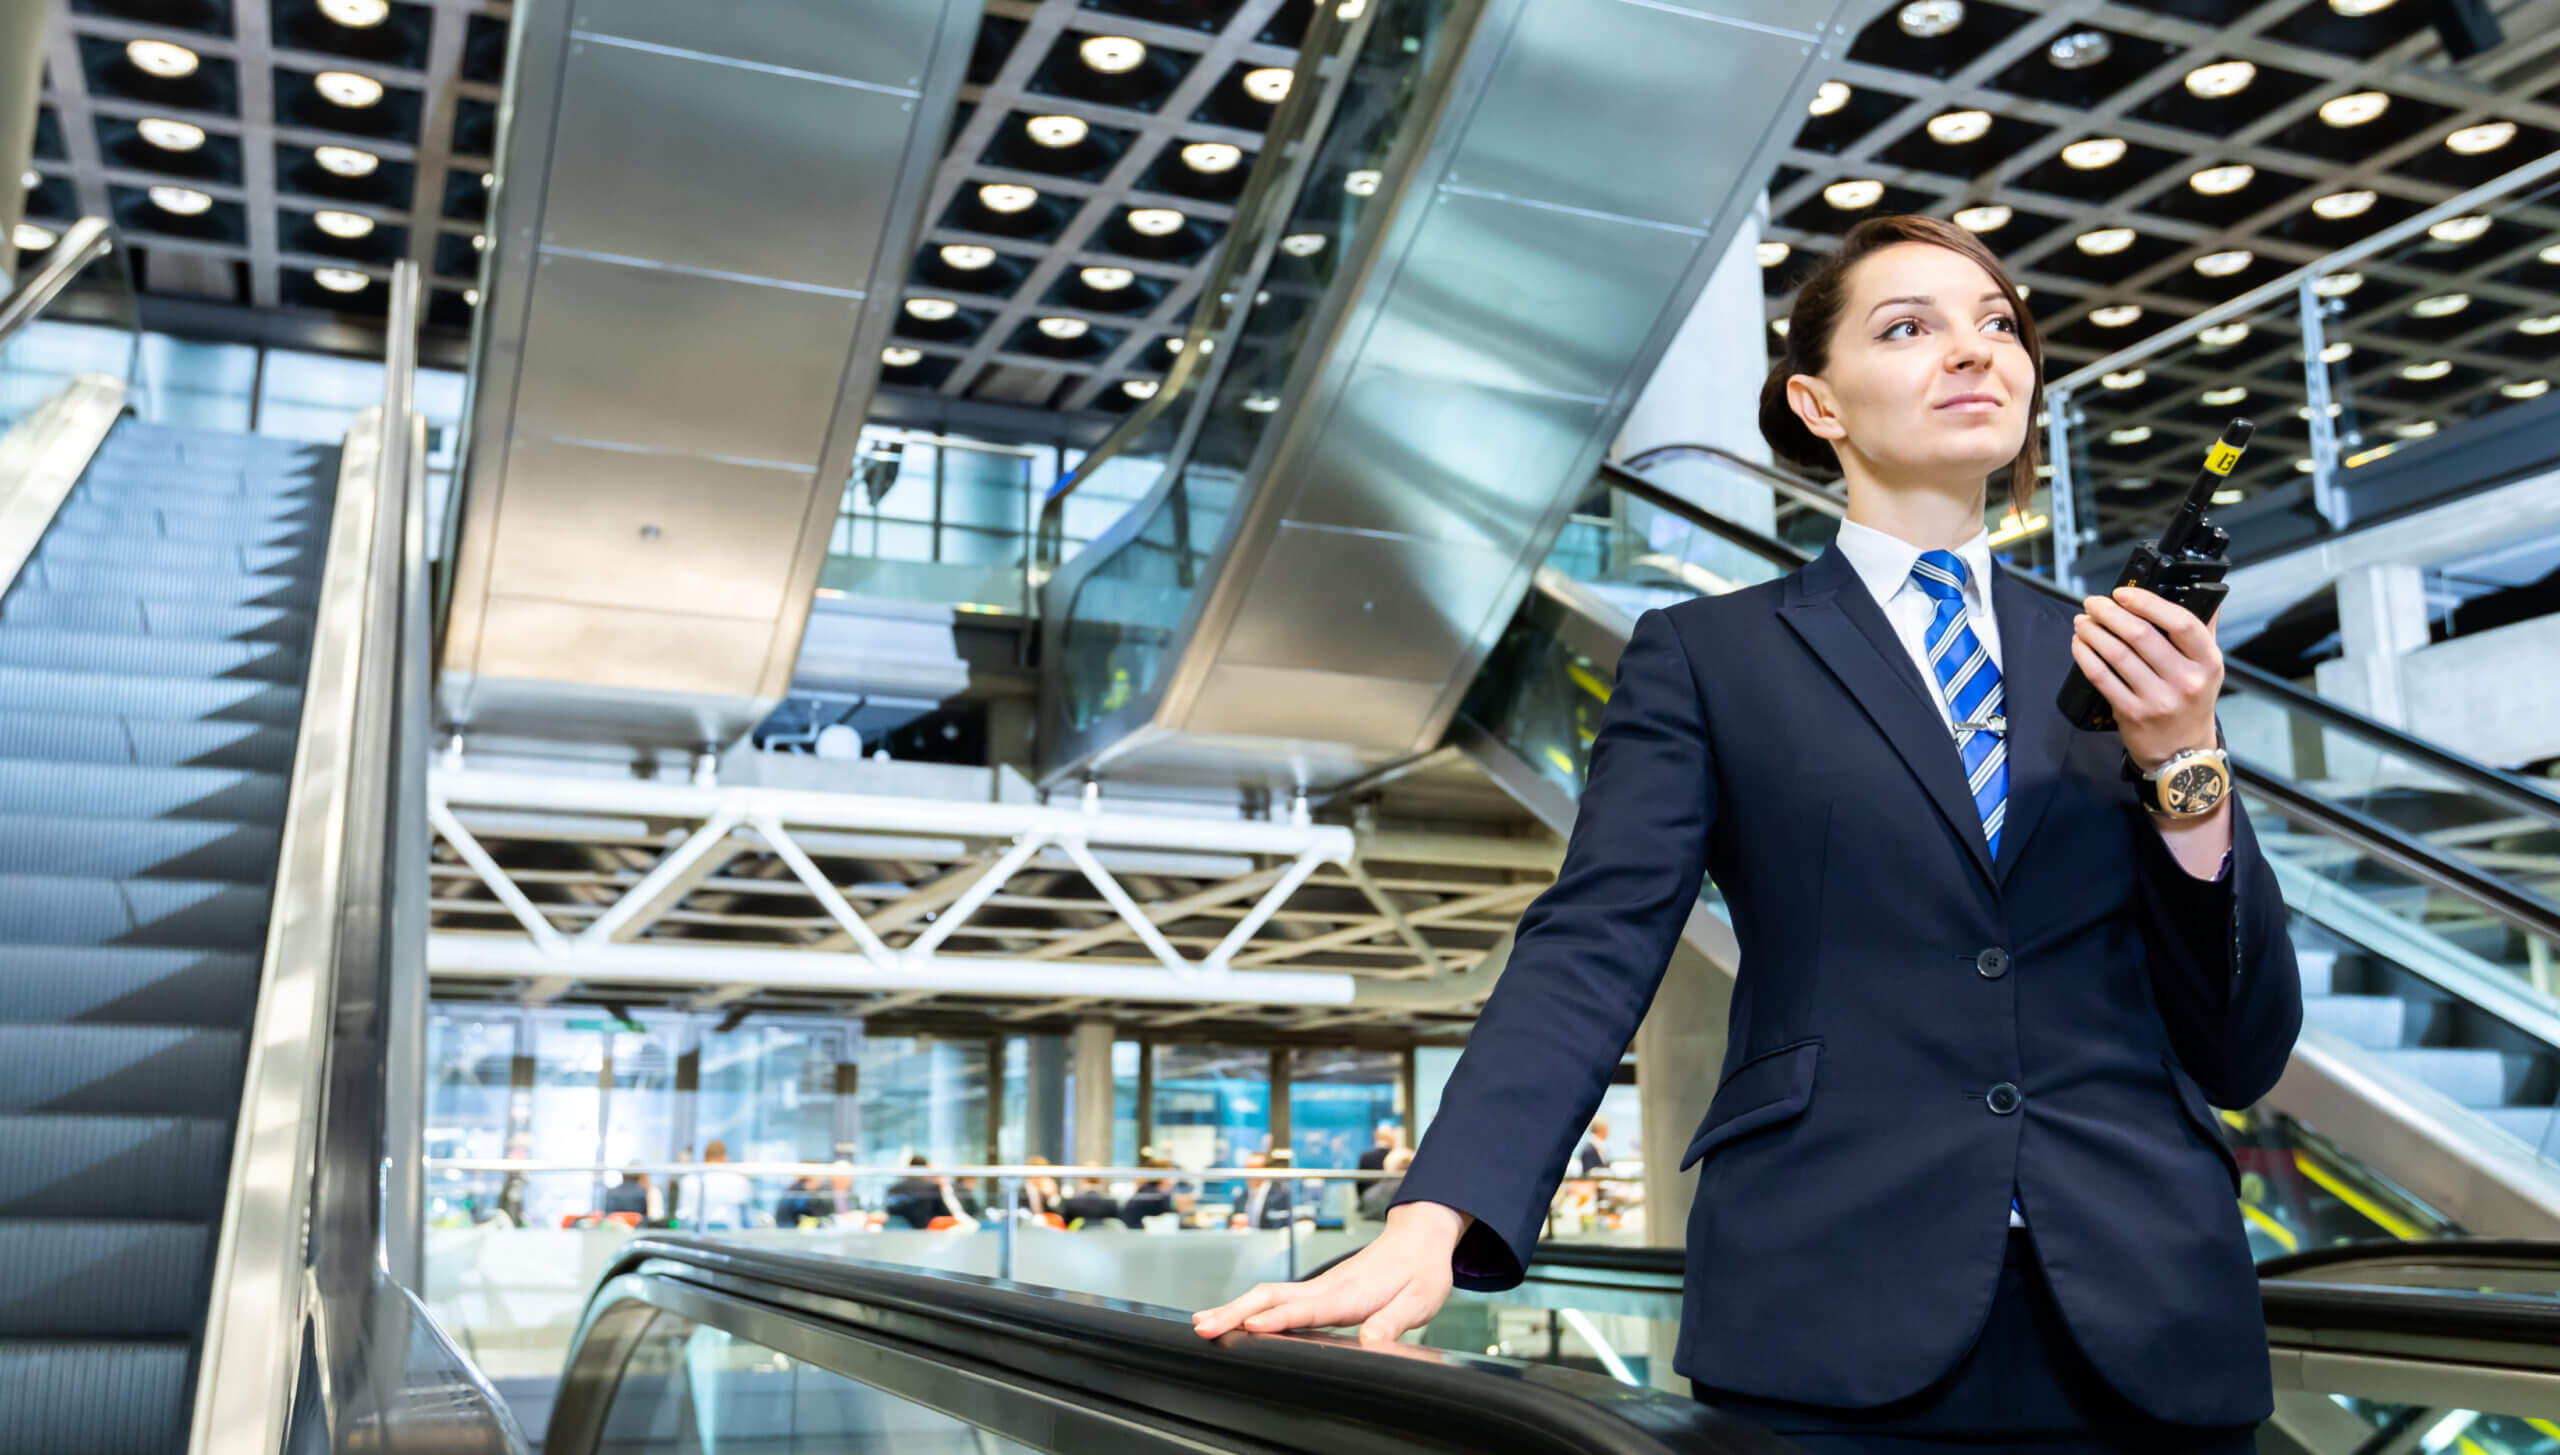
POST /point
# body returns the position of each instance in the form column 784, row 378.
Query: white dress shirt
column 1884, row 562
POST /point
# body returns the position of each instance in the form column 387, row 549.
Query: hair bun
column 1785, row 431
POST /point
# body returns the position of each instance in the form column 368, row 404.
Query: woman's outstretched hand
column 1395, row 1284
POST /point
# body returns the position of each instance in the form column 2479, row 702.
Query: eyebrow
column 1923, row 300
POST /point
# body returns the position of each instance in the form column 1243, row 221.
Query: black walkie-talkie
column 2186, row 565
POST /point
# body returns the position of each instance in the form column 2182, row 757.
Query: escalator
column 2419, row 1099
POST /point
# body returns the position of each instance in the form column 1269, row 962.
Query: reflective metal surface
column 676, row 350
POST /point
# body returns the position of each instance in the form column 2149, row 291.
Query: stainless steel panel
column 649, row 651
column 1598, row 105
column 681, row 363
column 1367, row 605
column 651, row 532
column 1342, row 711
column 1487, row 484
column 697, row 165
column 885, row 45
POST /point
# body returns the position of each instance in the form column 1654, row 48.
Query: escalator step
column 216, row 588
column 182, row 913
column 175, row 523
column 121, row 848
column 138, row 790
column 92, row 1280
column 94, row 493
column 103, row 1398
column 120, row 1070
column 67, row 984
column 66, row 737
column 141, row 616
column 114, row 1168
column 2375, row 1022
column 177, row 556
column 2472, row 1075
column 157, row 699
column 143, row 656
column 2529, row 1124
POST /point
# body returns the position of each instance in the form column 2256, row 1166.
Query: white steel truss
column 547, row 886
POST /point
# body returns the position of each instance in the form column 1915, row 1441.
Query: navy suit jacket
column 1855, row 1170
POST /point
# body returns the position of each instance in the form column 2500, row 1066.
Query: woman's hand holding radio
column 2157, row 665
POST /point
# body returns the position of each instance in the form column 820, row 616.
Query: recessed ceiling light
column 2217, row 398
column 1771, row 254
column 931, row 310
column 2442, row 305
column 1212, row 157
column 2526, row 389
column 346, row 88
column 2221, row 79
column 2224, row 264
column 1140, row 388
column 1828, row 97
column 968, row 257
column 2079, row 50
column 2096, row 152
column 2337, row 353
column 1302, row 244
column 2432, row 369
column 2460, row 229
column 2115, row 315
column 1779, row 326
column 2488, row 136
column 1927, row 18
column 2105, row 241
column 2355, row 108
column 2222, row 335
column 1261, row 403
column 340, row 280
column 471, row 297
column 343, row 224
column 2416, row 429
column 357, row 14
column 1112, row 55
column 2303, row 466
column 2550, row 254
column 1057, row 131
column 1107, row 280
column 1851, row 195
column 899, row 356
column 345, row 161
column 2125, row 379
column 1155, row 221
column 479, row 242
column 1955, row 128
column 2540, row 324
column 184, row 201
column 1990, row 217
column 1173, row 346
column 2130, row 435
column 1007, row 196
column 1065, row 328
column 2222, row 181
column 2339, row 206
column 31, row 180
column 2337, row 285
column 488, row 180
column 31, row 238
column 1269, row 85
column 2230, row 497
column 161, row 58
column 2357, row 9
column 2025, row 291
column 170, row 136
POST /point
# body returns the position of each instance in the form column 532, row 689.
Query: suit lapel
column 1832, row 611
column 2035, row 651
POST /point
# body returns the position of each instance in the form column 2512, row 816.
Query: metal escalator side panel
column 43, row 456
column 667, row 399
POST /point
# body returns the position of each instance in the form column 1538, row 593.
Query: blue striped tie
column 1970, row 682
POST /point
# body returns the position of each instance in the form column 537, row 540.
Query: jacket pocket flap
column 1761, row 1092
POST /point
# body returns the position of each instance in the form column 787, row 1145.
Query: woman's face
column 1928, row 377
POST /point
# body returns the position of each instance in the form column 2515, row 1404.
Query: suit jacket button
column 1993, row 963
column 2004, row 1098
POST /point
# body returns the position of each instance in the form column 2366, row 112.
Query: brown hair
column 1819, row 300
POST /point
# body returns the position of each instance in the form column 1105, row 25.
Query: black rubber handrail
column 1276, row 1392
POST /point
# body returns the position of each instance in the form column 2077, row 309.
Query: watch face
column 2195, row 788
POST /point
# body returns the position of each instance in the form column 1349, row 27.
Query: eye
column 1894, row 330
column 2004, row 322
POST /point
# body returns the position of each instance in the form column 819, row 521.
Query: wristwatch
column 2192, row 782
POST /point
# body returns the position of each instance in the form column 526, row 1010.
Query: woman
column 1959, row 1182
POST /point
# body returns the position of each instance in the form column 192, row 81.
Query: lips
column 1963, row 400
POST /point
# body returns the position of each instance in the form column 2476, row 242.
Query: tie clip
column 1995, row 723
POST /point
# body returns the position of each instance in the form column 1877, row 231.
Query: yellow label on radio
column 2221, row 458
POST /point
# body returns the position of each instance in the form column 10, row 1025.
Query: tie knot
column 1942, row 574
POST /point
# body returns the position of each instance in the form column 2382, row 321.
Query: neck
column 1935, row 514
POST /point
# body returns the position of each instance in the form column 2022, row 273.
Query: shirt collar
column 1884, row 562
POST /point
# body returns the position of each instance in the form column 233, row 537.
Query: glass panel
column 691, row 1390
column 921, row 1098
column 315, row 397
column 470, row 1105
column 199, row 384
column 1342, row 1104
column 1213, row 1109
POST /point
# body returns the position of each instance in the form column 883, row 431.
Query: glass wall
column 1212, row 1104
column 921, row 1097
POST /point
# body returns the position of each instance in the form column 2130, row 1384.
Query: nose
column 1967, row 351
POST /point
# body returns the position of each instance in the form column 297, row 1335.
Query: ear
column 1813, row 403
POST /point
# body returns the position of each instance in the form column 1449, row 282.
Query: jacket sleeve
column 1585, row 962
column 2222, row 963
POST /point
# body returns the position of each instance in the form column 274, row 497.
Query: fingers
column 2163, row 658
column 2103, row 677
column 2194, row 636
column 1408, row 1310
column 1212, row 1323
column 2123, row 660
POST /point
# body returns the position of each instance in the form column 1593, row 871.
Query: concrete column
column 1706, row 390
column 1092, row 1141
column 1044, row 1100
column 2382, row 617
column 21, row 82
column 1679, row 1056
